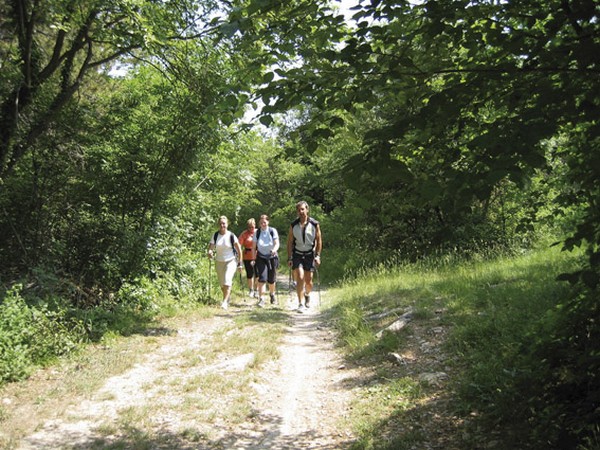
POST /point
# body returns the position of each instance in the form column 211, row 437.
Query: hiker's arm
column 318, row 244
column 211, row 248
column 254, row 251
column 238, row 247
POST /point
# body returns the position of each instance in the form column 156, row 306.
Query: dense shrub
column 565, row 410
column 30, row 335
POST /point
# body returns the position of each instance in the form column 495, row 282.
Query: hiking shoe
column 300, row 308
column 261, row 303
column 272, row 299
column 225, row 304
column 250, row 293
column 307, row 300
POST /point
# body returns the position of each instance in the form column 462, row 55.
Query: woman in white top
column 224, row 245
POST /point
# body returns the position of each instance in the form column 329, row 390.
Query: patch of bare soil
column 298, row 399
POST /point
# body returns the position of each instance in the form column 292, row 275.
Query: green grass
column 490, row 309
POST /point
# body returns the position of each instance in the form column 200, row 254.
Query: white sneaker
column 300, row 308
column 251, row 293
column 225, row 304
column 261, row 303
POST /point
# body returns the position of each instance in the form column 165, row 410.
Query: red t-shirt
column 247, row 241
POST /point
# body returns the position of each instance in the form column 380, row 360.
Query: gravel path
column 299, row 400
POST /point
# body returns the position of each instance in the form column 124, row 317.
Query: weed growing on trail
column 468, row 321
column 377, row 404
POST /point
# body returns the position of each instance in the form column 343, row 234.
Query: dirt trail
column 307, row 394
column 297, row 404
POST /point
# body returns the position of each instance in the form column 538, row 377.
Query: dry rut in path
column 305, row 392
column 297, row 401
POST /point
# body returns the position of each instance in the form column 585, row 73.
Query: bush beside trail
column 33, row 335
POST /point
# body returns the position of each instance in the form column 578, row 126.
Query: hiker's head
column 223, row 223
column 251, row 224
column 264, row 221
column 302, row 208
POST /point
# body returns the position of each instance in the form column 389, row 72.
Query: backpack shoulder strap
column 215, row 237
column 232, row 239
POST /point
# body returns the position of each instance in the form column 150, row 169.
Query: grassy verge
column 458, row 372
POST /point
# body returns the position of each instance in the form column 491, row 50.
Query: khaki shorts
column 226, row 271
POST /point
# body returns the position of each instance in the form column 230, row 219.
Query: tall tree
column 466, row 95
column 48, row 48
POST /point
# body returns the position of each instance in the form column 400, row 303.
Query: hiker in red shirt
column 247, row 242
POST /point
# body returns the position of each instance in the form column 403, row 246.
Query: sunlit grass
column 489, row 307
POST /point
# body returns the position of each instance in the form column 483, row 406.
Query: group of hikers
column 256, row 250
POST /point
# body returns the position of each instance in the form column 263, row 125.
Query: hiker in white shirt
column 226, row 249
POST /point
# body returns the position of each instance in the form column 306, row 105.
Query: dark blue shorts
column 266, row 269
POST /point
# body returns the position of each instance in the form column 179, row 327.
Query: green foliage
column 453, row 106
column 53, row 48
column 98, row 210
column 562, row 358
column 15, row 358
column 32, row 335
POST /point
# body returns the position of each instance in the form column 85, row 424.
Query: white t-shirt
column 223, row 246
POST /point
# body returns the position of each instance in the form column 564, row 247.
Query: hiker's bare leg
column 299, row 275
column 308, row 282
column 226, row 290
column 261, row 289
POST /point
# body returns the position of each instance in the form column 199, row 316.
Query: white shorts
column 226, row 272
